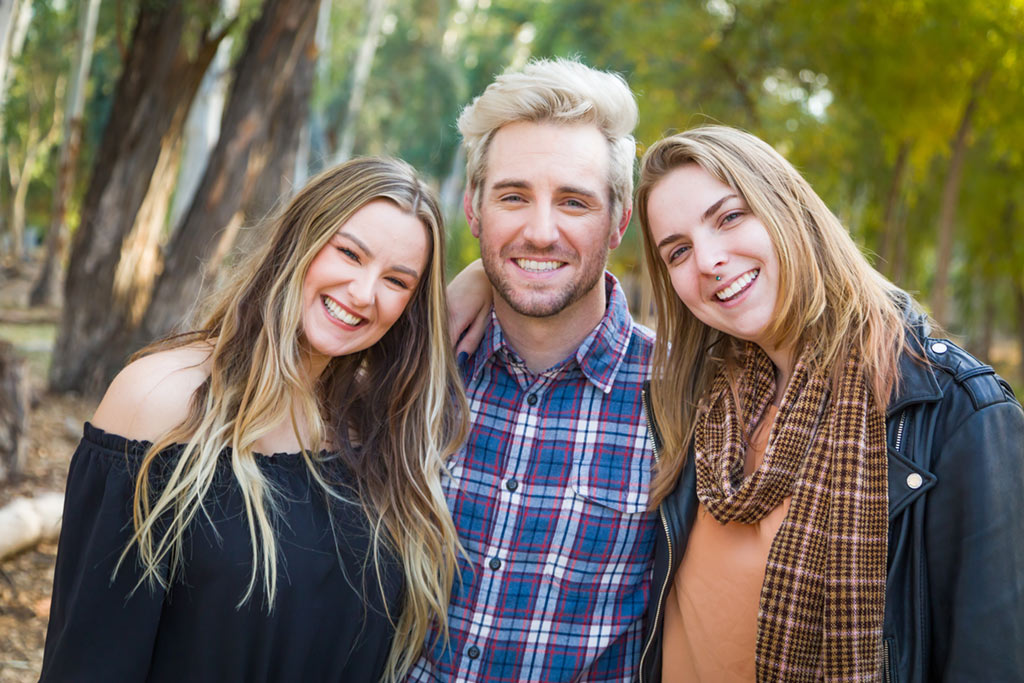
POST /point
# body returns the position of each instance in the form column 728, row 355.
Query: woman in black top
column 260, row 500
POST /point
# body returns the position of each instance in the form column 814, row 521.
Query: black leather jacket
column 954, row 604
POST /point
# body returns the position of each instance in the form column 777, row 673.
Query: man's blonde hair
column 560, row 91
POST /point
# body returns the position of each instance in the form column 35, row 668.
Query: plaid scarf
column 823, row 596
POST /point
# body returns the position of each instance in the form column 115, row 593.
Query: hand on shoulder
column 151, row 395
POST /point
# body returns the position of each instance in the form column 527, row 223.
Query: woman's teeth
column 340, row 313
column 537, row 266
column 738, row 286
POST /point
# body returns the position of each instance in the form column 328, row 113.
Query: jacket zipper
column 899, row 430
column 668, row 538
column 885, row 643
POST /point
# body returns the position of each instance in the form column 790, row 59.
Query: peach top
column 711, row 610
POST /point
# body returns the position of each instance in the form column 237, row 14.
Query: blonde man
column 550, row 493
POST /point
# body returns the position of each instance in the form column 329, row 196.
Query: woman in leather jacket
column 840, row 492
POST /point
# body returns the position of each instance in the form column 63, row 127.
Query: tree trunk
column 1018, row 300
column 46, row 288
column 950, row 198
column 14, row 19
column 375, row 10
column 202, row 127
column 890, row 224
column 161, row 75
column 250, row 168
column 14, row 404
column 986, row 335
column 37, row 143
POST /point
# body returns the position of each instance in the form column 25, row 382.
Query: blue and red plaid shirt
column 550, row 498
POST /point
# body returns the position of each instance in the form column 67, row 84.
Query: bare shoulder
column 151, row 395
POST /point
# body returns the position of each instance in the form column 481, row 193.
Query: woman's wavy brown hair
column 830, row 299
column 395, row 411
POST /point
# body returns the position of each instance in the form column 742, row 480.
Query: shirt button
column 532, row 399
column 495, row 563
column 938, row 347
column 914, row 480
column 512, row 484
column 473, row 652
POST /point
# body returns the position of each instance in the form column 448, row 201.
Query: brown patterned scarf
column 823, row 596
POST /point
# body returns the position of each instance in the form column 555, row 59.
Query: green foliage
column 844, row 88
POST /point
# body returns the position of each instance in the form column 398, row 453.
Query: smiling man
column 550, row 493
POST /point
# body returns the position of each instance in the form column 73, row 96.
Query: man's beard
column 544, row 301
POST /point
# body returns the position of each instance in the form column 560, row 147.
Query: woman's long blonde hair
column 830, row 299
column 395, row 411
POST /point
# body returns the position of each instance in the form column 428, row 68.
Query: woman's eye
column 732, row 216
column 512, row 198
column 576, row 204
column 398, row 282
column 678, row 253
column 348, row 252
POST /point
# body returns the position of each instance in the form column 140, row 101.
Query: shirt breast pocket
column 615, row 479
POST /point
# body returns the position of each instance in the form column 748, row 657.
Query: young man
column 550, row 493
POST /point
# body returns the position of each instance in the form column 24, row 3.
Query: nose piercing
column 718, row 277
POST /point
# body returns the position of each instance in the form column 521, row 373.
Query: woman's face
column 360, row 282
column 719, row 255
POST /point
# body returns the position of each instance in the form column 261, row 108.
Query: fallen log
column 26, row 522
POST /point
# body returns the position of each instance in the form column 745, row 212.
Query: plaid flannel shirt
column 550, row 498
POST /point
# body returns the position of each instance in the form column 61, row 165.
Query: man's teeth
column 738, row 286
column 340, row 313
column 537, row 266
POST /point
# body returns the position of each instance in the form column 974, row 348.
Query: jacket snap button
column 914, row 480
column 938, row 347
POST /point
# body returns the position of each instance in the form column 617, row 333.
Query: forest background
column 142, row 138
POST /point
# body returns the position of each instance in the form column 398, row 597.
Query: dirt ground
column 55, row 425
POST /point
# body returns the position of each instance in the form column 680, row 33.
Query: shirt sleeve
column 101, row 627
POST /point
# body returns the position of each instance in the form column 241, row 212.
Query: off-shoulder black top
column 327, row 623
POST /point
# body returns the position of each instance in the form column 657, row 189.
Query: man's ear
column 615, row 239
column 471, row 217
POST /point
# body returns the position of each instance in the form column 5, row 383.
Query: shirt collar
column 599, row 356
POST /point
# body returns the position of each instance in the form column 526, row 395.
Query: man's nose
column 541, row 229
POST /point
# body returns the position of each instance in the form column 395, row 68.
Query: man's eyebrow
column 583, row 192
column 511, row 182
column 411, row 272
column 526, row 185
column 714, row 207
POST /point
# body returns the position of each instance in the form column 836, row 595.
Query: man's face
column 544, row 220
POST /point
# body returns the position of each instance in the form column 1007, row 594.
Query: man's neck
column 543, row 342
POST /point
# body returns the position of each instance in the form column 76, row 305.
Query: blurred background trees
column 153, row 132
